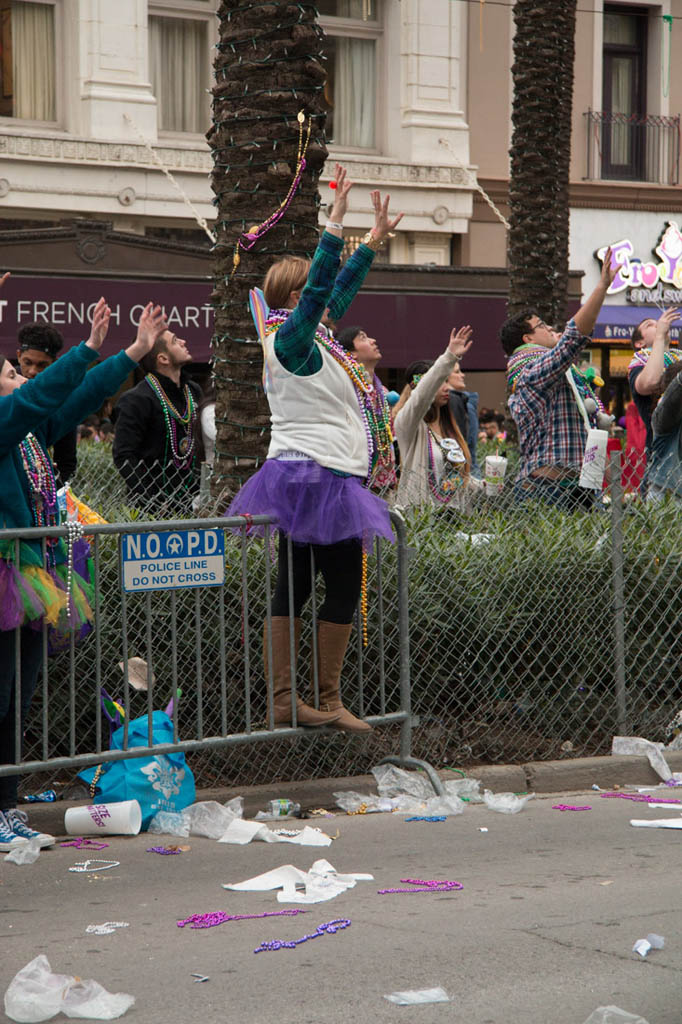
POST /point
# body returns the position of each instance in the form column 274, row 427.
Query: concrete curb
column 574, row 775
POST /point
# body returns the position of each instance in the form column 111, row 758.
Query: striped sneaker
column 9, row 839
column 17, row 821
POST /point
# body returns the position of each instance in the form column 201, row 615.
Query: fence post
column 404, row 635
column 616, row 487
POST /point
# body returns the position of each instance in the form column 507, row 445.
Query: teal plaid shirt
column 295, row 345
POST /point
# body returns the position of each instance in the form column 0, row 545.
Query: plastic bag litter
column 170, row 823
column 36, row 994
column 635, row 745
column 506, row 803
column 652, row 941
column 351, row 802
column 613, row 1015
column 466, row 789
column 26, row 854
column 393, row 781
column 211, row 819
column 413, row 997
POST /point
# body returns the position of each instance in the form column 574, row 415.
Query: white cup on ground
column 120, row 819
column 495, row 468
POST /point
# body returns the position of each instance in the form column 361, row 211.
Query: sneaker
column 17, row 821
column 9, row 840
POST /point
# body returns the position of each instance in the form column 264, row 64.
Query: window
column 353, row 33
column 27, row 60
column 179, row 62
column 625, row 39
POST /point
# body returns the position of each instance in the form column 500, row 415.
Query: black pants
column 31, row 659
column 341, row 568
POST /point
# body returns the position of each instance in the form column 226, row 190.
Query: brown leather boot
column 332, row 641
column 281, row 676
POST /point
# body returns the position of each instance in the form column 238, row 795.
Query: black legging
column 341, row 568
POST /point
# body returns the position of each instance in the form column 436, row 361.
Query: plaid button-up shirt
column 543, row 406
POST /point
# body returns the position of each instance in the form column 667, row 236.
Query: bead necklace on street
column 328, row 928
column 217, row 917
column 424, row 885
column 182, row 453
column 374, row 410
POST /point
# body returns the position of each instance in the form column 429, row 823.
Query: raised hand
column 608, row 271
column 665, row 320
column 382, row 224
column 152, row 324
column 4, row 278
column 343, row 187
column 460, row 340
column 100, row 325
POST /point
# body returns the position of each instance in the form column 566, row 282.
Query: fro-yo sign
column 635, row 273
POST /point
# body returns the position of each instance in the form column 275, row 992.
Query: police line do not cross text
column 172, row 560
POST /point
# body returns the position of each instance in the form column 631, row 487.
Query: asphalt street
column 541, row 933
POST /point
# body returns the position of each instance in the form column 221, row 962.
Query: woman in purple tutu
column 37, row 587
column 322, row 448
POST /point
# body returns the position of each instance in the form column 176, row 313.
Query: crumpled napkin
column 321, row 883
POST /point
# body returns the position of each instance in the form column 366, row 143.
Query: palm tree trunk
column 268, row 68
column 544, row 48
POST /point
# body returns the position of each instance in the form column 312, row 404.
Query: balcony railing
column 633, row 147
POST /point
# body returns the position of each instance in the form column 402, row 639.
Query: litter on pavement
column 652, row 941
column 319, row 884
column 108, row 928
column 241, row 832
column 505, row 803
column 413, row 997
column 26, row 854
column 614, row 1015
column 35, row 994
column 656, row 822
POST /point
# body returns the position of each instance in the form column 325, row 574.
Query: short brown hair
column 148, row 362
column 284, row 277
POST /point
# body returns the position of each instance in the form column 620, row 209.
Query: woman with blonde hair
column 325, row 433
column 434, row 457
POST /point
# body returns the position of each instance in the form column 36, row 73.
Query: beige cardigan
column 412, row 434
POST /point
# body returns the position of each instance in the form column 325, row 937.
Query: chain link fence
column 536, row 632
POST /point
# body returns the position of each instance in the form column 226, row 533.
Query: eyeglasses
column 540, row 323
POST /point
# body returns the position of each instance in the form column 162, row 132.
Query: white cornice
column 49, row 148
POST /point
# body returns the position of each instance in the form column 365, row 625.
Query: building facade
column 104, row 109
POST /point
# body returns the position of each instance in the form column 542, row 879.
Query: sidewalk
column 578, row 774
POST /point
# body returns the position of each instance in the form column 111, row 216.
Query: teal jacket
column 48, row 406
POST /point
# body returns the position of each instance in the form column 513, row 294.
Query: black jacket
column 64, row 456
column 142, row 451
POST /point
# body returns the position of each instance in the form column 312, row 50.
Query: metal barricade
column 201, row 646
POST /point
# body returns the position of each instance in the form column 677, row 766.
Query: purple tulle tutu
column 312, row 505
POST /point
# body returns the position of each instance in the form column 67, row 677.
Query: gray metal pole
column 618, row 592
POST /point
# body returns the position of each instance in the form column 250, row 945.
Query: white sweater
column 317, row 415
column 412, row 434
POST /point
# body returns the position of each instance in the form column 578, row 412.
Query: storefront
column 649, row 281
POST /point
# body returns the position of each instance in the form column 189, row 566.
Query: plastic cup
column 121, row 819
column 495, row 468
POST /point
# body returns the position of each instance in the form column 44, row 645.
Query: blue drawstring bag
column 160, row 783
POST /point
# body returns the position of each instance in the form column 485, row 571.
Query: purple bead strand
column 220, row 917
column 424, row 885
column 328, row 928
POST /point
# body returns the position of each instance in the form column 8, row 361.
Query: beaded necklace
column 40, row 475
column 374, row 410
column 443, row 488
column 183, row 453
